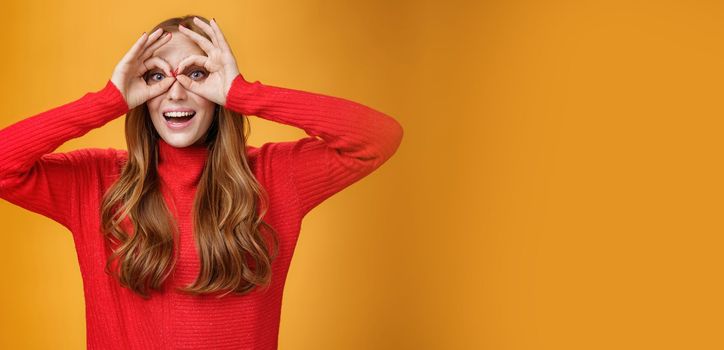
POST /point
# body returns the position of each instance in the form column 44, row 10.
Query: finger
column 158, row 62
column 136, row 48
column 203, row 43
column 187, row 83
column 163, row 86
column 154, row 63
column 220, row 36
column 152, row 37
column 207, row 29
column 149, row 38
column 150, row 50
column 198, row 60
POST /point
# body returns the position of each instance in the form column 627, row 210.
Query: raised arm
column 44, row 182
column 347, row 140
column 36, row 179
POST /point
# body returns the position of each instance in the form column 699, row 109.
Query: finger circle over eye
column 198, row 60
column 157, row 62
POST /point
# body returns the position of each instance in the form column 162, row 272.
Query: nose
column 176, row 91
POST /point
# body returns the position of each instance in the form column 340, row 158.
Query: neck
column 181, row 167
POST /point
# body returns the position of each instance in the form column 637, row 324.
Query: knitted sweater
column 346, row 142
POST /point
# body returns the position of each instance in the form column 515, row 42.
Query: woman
column 174, row 234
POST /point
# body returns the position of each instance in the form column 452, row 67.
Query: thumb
column 161, row 87
column 187, row 83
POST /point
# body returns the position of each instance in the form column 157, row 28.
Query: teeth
column 178, row 114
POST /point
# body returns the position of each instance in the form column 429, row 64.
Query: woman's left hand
column 219, row 62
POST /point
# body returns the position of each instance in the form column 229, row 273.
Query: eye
column 201, row 74
column 154, row 77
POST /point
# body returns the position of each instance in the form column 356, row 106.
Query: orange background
column 558, row 185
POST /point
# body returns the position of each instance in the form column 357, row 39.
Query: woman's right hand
column 129, row 74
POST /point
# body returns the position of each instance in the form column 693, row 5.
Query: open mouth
column 178, row 117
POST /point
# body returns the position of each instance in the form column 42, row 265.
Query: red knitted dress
column 346, row 142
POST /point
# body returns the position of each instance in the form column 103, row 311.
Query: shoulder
column 119, row 156
column 269, row 155
column 89, row 162
column 83, row 156
column 252, row 151
column 270, row 162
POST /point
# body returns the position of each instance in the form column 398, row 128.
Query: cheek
column 153, row 104
column 205, row 105
column 208, row 107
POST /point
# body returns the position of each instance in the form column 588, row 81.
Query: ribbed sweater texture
column 346, row 141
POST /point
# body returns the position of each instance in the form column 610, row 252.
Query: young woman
column 174, row 234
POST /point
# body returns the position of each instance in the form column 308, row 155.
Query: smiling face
column 176, row 128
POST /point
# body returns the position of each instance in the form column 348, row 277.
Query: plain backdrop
column 559, row 184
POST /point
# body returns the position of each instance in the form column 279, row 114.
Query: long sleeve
column 44, row 182
column 346, row 142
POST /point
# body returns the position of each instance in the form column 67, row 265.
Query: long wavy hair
column 227, row 211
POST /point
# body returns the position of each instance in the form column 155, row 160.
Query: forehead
column 179, row 47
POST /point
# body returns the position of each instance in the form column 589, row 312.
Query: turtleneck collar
column 181, row 166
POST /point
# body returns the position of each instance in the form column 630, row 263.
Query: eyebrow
column 195, row 66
